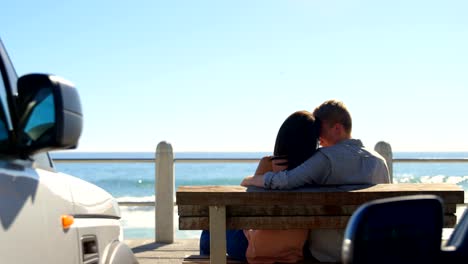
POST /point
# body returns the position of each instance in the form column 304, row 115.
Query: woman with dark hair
column 296, row 141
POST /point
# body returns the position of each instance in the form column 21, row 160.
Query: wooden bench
column 217, row 208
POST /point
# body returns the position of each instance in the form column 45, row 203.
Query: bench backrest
column 305, row 208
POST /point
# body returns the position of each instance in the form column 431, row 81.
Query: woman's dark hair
column 297, row 138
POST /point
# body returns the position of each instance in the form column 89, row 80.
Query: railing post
column 164, row 212
column 384, row 149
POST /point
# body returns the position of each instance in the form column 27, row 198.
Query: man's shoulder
column 352, row 147
column 345, row 145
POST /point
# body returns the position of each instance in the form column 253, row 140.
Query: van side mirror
column 406, row 229
column 50, row 115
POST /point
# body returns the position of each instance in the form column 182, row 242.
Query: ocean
column 135, row 181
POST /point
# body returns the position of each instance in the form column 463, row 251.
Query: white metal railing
column 164, row 178
column 429, row 160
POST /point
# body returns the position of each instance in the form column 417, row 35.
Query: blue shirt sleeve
column 314, row 170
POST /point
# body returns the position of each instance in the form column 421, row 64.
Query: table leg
column 218, row 234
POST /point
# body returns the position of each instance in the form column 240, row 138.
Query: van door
column 32, row 201
column 21, row 229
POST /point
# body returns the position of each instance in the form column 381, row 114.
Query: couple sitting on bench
column 297, row 162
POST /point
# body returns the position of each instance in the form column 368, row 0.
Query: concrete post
column 164, row 190
column 384, row 149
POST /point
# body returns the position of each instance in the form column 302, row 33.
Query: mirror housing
column 50, row 115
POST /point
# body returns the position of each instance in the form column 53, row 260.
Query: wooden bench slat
column 281, row 222
column 335, row 195
column 282, row 210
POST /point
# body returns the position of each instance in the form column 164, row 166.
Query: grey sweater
column 347, row 162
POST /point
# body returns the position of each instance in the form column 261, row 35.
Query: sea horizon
column 233, row 154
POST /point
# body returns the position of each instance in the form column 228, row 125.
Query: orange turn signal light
column 67, row 221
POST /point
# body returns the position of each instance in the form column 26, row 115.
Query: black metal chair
column 404, row 229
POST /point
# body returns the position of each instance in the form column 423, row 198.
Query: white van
column 47, row 216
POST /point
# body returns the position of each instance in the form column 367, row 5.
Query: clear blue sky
column 223, row 75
